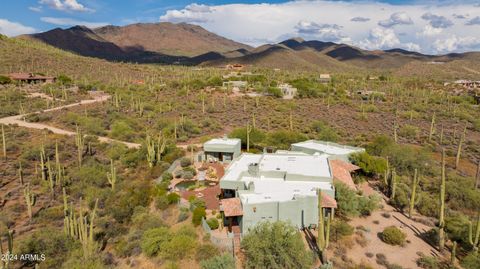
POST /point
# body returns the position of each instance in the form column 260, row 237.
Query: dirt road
column 18, row 120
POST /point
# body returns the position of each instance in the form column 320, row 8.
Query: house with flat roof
column 333, row 150
column 222, row 149
column 276, row 186
column 324, row 78
column 288, row 91
column 31, row 78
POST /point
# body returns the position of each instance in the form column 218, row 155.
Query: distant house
column 222, row 149
column 30, row 78
column 235, row 66
column 324, row 78
column 288, row 91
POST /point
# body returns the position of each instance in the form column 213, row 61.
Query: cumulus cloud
column 9, row 28
column 437, row 21
column 454, row 43
column 36, row 9
column 474, row 21
column 193, row 13
column 322, row 31
column 66, row 5
column 71, row 22
column 397, row 18
column 460, row 16
column 350, row 22
column 359, row 19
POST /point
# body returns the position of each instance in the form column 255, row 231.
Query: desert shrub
column 283, row 139
column 198, row 214
column 257, row 136
column 179, row 247
column 428, row 262
column 409, row 131
column 224, row 261
column 428, row 205
column 183, row 215
column 340, row 229
column 185, row 162
column 167, row 176
column 351, row 204
column 213, row 223
column 5, row 80
column 401, row 199
column 261, row 247
column 324, row 132
column 51, row 243
column 153, row 239
column 173, row 198
column 371, row 165
column 64, row 80
column 161, row 202
column 206, row 251
column 393, row 236
column 471, row 261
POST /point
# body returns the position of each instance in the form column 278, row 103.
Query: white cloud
column 474, row 21
column 71, row 22
column 397, row 18
column 36, row 9
column 454, row 43
column 437, row 21
column 66, row 5
column 350, row 22
column 9, row 28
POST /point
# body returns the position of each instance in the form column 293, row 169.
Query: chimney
column 253, row 169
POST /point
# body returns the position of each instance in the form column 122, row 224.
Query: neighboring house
column 288, row 91
column 222, row 149
column 333, row 150
column 324, row 78
column 276, row 186
column 234, row 66
column 31, row 78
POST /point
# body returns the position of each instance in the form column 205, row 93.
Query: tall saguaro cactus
column 80, row 142
column 393, row 184
column 432, row 128
column 5, row 263
column 474, row 239
column 112, row 175
column 459, row 148
column 249, row 130
column 29, row 200
column 413, row 193
column 4, row 143
column 441, row 218
column 323, row 229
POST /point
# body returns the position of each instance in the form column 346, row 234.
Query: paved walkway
column 18, row 120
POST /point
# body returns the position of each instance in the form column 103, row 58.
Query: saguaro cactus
column 151, row 156
column 112, row 176
column 441, row 218
column 249, row 130
column 477, row 176
column 454, row 253
column 323, row 229
column 459, row 149
column 4, row 263
column 29, row 199
column 474, row 239
column 432, row 128
column 80, row 142
column 20, row 172
column 4, row 143
column 393, row 184
column 413, row 193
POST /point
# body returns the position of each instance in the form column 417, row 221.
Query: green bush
column 393, row 236
column 173, row 198
column 471, row 261
column 179, row 247
column 351, row 204
column 371, row 165
column 185, row 162
column 153, row 239
column 339, row 229
column 5, row 80
column 206, row 251
column 324, row 132
column 213, row 223
column 198, row 214
column 224, row 261
column 275, row 245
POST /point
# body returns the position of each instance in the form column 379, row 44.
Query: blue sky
column 425, row 26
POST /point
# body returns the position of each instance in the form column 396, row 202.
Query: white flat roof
column 223, row 141
column 328, row 147
column 291, row 164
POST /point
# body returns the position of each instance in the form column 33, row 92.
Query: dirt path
column 405, row 256
column 19, row 120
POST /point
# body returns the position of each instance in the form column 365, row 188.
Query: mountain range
column 187, row 44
